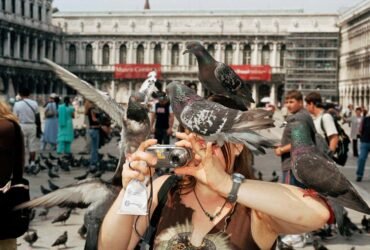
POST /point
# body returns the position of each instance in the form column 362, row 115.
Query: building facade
column 94, row 42
column 26, row 36
column 354, row 77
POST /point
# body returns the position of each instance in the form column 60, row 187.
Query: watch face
column 238, row 176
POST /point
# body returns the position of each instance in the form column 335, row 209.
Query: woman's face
column 232, row 149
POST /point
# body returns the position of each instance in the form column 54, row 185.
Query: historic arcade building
column 300, row 49
column 354, row 77
column 93, row 43
column 26, row 36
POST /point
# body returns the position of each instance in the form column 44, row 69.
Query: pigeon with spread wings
column 218, row 123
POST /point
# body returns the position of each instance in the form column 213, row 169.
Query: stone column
column 134, row 46
column 273, row 93
column 199, row 88
column 17, row 47
column 222, row 52
column 254, row 94
column 7, row 44
column 165, row 54
column 273, row 57
column 42, row 52
column 17, row 7
column 182, row 61
column 26, row 48
column 236, row 53
column 114, row 54
column 147, row 52
column 43, row 12
column 27, row 8
column 151, row 52
column 35, row 10
column 218, row 52
column 254, row 48
column 113, row 89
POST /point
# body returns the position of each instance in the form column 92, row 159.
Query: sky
column 309, row 6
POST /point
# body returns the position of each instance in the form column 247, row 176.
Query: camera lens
column 179, row 157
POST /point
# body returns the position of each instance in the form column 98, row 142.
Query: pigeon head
column 193, row 47
column 301, row 134
column 135, row 110
column 180, row 95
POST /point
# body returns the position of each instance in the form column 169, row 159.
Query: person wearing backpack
column 364, row 147
column 324, row 122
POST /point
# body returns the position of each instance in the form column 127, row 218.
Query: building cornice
column 354, row 12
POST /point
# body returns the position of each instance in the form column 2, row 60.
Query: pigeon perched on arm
column 319, row 172
column 218, row 77
column 218, row 123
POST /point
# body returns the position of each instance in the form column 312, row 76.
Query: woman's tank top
column 232, row 232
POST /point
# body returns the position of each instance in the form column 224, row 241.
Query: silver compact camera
column 170, row 156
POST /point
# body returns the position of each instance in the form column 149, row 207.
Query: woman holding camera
column 212, row 207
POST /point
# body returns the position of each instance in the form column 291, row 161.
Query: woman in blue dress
column 65, row 128
column 51, row 123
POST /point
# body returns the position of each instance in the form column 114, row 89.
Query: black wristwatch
column 238, row 179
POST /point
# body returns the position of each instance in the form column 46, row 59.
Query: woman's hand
column 206, row 167
column 137, row 165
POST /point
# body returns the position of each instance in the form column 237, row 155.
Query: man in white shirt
column 324, row 122
column 25, row 109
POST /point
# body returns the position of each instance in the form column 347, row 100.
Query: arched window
column 211, row 50
column 123, row 54
column 2, row 43
column 72, row 54
column 282, row 55
column 140, row 54
column 247, row 54
column 175, row 55
column 229, row 54
column 21, row 47
column 89, row 55
column 54, row 51
column 31, row 48
column 158, row 54
column 13, row 7
column 106, row 55
column 265, row 55
column 13, row 39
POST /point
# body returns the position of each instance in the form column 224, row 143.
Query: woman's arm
column 117, row 230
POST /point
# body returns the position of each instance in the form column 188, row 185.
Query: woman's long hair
column 6, row 113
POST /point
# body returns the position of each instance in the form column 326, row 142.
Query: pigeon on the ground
column 96, row 194
column 62, row 240
column 260, row 176
column 275, row 177
column 44, row 190
column 63, row 217
column 365, row 224
column 319, row 172
column 52, row 186
column 82, row 177
column 44, row 212
column 31, row 237
column 82, row 231
column 51, row 174
column 318, row 246
column 218, row 123
column 218, row 77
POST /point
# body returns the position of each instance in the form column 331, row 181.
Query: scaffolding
column 312, row 63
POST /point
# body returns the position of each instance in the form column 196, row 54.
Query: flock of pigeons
column 214, row 122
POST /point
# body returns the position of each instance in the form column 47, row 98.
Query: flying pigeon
column 102, row 100
column 318, row 171
column 218, row 77
column 216, row 122
column 96, row 194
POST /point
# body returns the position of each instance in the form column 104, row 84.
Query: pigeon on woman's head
column 218, row 77
column 216, row 122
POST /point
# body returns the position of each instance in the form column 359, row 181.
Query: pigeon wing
column 99, row 98
column 206, row 118
column 231, row 81
column 87, row 191
column 321, row 174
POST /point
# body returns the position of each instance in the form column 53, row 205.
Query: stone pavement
column 48, row 232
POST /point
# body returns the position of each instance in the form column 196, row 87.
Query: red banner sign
column 135, row 71
column 253, row 72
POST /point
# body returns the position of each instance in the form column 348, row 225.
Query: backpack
column 341, row 152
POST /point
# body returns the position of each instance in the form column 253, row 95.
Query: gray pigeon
column 216, row 122
column 97, row 194
column 218, row 77
column 317, row 171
